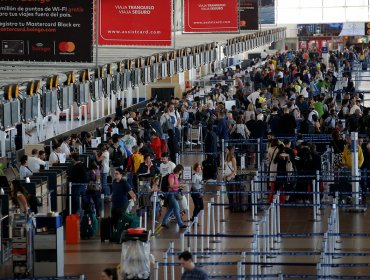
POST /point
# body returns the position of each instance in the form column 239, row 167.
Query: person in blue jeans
column 103, row 157
column 173, row 204
column 77, row 175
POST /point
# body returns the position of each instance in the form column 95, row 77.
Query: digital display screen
column 7, row 115
column 81, row 93
column 35, row 106
column 65, row 97
column 87, row 92
column 54, row 101
column 15, row 112
column 47, row 102
column 71, row 97
column 27, row 114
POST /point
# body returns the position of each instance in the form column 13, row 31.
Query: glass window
column 288, row 3
column 357, row 14
column 311, row 4
column 286, row 16
column 310, row 15
column 334, row 3
column 334, row 15
column 357, row 3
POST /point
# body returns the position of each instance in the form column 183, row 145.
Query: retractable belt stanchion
column 155, row 197
column 165, row 267
column 223, row 176
column 173, row 260
column 102, row 205
column 146, row 218
column 218, row 213
column 215, row 239
column 156, row 270
column 317, row 195
column 195, row 245
column 70, row 198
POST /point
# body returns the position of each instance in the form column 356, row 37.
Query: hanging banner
column 267, row 12
column 248, row 14
column 48, row 30
column 136, row 23
column 216, row 16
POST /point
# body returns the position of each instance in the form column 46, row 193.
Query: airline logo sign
column 46, row 30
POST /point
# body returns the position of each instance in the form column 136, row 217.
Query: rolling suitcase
column 105, row 229
column 364, row 66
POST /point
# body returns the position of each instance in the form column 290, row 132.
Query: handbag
column 178, row 196
column 93, row 187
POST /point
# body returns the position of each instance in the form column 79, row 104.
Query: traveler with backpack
column 94, row 187
column 166, row 123
column 117, row 154
column 121, row 191
column 174, row 187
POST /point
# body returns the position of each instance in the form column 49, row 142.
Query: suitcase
column 242, row 198
column 237, row 200
column 89, row 225
column 128, row 220
column 210, row 169
column 105, row 229
column 144, row 194
column 364, row 66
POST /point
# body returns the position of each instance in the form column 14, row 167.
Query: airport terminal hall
column 184, row 139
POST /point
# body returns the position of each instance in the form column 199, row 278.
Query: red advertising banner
column 216, row 16
column 137, row 23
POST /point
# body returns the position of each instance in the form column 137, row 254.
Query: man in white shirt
column 167, row 166
column 254, row 96
column 34, row 162
column 129, row 140
column 54, row 155
column 103, row 156
column 124, row 119
column 64, row 147
column 356, row 106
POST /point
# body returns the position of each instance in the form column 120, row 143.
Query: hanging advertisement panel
column 267, row 12
column 136, row 23
column 49, row 30
column 248, row 14
column 216, row 16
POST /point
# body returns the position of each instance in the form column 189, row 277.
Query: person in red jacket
column 156, row 145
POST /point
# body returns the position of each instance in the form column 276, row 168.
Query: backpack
column 165, row 185
column 117, row 157
column 167, row 125
column 164, row 146
column 89, row 224
column 128, row 220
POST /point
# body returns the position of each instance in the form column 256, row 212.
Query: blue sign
column 324, row 50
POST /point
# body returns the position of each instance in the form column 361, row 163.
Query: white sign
column 181, row 78
column 242, row 162
column 115, row 131
column 95, row 142
column 187, row 173
column 229, row 104
column 62, row 158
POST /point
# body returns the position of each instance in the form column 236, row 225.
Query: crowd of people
column 286, row 95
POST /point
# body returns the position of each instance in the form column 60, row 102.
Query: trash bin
column 135, row 256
